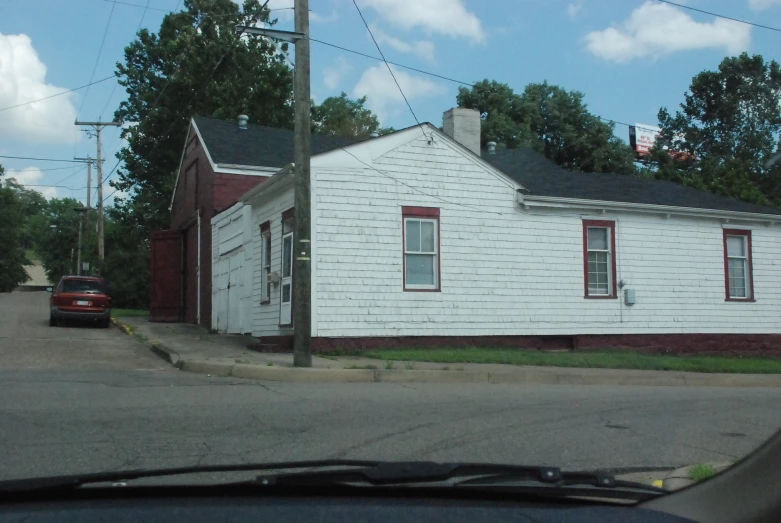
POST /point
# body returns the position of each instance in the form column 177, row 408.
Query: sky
column 628, row 57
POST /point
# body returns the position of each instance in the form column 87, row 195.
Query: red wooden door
column 166, row 273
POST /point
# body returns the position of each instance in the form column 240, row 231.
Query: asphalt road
column 82, row 399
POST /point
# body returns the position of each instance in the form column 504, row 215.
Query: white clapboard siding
column 505, row 271
column 265, row 317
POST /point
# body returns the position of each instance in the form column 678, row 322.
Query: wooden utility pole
column 302, row 271
column 302, row 255
column 89, row 161
column 98, row 126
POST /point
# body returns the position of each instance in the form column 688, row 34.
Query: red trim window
column 265, row 258
column 738, row 270
column 420, row 248
column 599, row 259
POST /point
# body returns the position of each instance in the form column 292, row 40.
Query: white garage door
column 228, row 291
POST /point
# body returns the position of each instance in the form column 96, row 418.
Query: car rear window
column 86, row 286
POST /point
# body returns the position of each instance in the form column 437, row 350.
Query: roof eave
column 529, row 201
column 278, row 181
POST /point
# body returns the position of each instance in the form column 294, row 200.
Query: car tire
column 104, row 324
column 52, row 321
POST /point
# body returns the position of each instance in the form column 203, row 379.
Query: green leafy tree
column 32, row 204
column 56, row 230
column 341, row 116
column 726, row 130
column 195, row 64
column 12, row 258
column 550, row 120
column 126, row 264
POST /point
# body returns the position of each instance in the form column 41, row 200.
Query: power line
column 78, row 171
column 393, row 63
column 100, row 51
column 387, row 65
column 54, row 168
column 58, row 94
column 421, row 71
column 141, row 6
column 114, row 88
column 39, row 159
column 721, row 16
column 45, row 185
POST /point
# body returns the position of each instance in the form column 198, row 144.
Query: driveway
column 27, row 341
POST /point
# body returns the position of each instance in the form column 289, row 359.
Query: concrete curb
column 124, row 328
column 543, row 376
column 681, row 478
column 520, row 376
column 155, row 346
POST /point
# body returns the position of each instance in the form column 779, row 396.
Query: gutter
column 247, row 167
column 528, row 201
column 275, row 182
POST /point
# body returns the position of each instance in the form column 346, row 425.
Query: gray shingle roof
column 257, row 145
column 544, row 178
column 273, row 147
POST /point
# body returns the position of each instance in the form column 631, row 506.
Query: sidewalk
column 194, row 349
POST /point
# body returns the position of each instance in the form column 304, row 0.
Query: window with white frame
column 599, row 259
column 265, row 256
column 737, row 244
column 421, row 250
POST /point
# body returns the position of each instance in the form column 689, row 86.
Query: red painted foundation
column 713, row 344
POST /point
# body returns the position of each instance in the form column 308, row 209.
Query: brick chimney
column 463, row 125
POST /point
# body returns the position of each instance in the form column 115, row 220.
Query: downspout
column 198, row 271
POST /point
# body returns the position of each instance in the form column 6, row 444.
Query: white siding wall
column 510, row 272
column 265, row 318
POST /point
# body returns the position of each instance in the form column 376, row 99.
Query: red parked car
column 80, row 298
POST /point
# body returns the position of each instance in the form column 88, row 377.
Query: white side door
column 286, row 283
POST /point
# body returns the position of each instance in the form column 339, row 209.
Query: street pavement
column 81, row 399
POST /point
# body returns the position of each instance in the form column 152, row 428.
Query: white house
column 420, row 238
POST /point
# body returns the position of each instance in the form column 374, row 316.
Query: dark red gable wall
column 228, row 188
column 200, row 188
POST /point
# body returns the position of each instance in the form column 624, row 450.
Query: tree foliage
column 195, row 65
column 341, row 116
column 726, row 130
column 550, row 120
column 56, row 232
column 12, row 258
column 126, row 264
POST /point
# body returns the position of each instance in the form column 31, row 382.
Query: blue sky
column 629, row 57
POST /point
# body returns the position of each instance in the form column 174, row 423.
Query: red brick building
column 221, row 160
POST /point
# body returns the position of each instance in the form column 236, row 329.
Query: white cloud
column 31, row 176
column 333, row 76
column 574, row 8
column 423, row 48
column 384, row 98
column 445, row 17
column 22, row 79
column 655, row 29
column 760, row 5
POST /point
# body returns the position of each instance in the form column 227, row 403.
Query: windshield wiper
column 371, row 473
column 78, row 480
column 512, row 477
